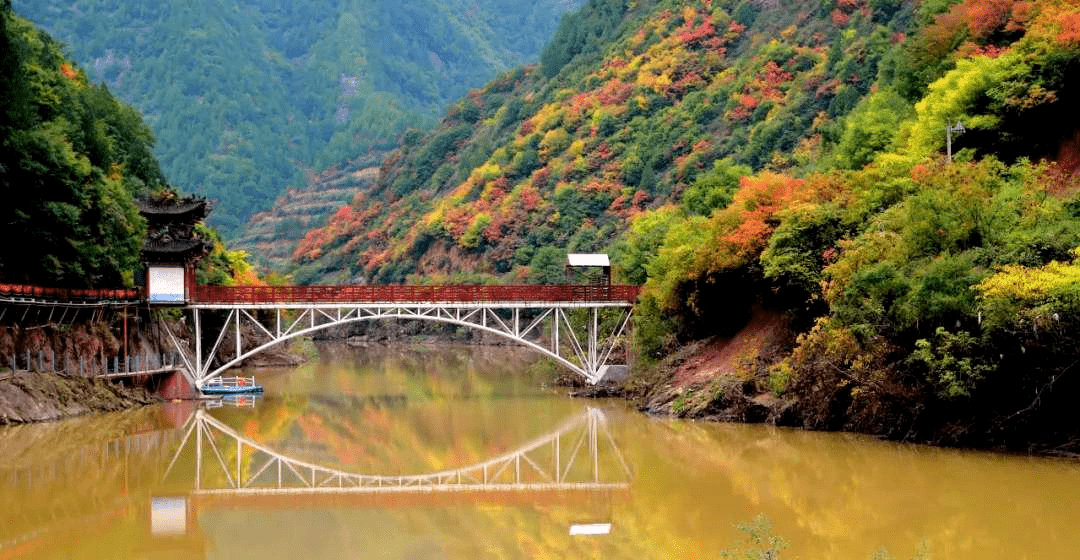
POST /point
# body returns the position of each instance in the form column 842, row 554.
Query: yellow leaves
column 472, row 236
column 826, row 338
column 242, row 272
column 462, row 191
column 553, row 142
column 662, row 82
column 1031, row 285
column 952, row 97
column 689, row 14
column 654, row 73
column 116, row 172
column 485, row 172
column 547, row 117
column 1042, row 295
column 525, row 138
column 434, row 218
column 576, row 149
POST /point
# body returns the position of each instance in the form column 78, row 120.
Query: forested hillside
column 244, row 96
column 737, row 156
column 73, row 159
column 632, row 104
column 928, row 298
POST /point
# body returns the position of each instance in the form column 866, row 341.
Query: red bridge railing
column 68, row 294
column 416, row 294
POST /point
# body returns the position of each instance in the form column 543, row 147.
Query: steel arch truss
column 580, row 454
column 568, row 333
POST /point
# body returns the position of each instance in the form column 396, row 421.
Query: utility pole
column 126, row 367
column 959, row 129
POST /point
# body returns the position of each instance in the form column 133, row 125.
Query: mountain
column 245, row 97
column 632, row 103
column 270, row 237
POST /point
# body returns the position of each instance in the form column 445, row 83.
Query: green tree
column 871, row 128
column 73, row 159
column 548, row 266
column 715, row 188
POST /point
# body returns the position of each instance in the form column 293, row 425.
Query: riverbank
column 39, row 397
column 736, row 379
column 50, row 370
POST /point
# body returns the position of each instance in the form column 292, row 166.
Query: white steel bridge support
column 570, row 333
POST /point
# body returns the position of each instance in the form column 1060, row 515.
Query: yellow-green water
column 102, row 487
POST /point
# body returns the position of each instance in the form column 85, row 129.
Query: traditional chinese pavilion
column 172, row 248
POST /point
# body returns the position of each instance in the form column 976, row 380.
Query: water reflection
column 440, row 453
column 847, row 496
column 65, row 484
column 579, row 454
column 238, row 401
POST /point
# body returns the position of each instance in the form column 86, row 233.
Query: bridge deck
column 395, row 294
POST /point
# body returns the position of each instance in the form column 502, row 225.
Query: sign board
column 165, row 284
column 587, row 259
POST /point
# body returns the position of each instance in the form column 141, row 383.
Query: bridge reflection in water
column 578, row 462
column 578, row 455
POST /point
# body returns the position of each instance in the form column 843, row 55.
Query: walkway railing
column 10, row 291
column 415, row 294
column 347, row 294
column 46, row 361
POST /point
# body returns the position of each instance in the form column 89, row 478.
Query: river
column 522, row 472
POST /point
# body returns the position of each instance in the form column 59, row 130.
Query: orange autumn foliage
column 1070, row 28
column 69, row 72
column 756, row 203
column 741, row 231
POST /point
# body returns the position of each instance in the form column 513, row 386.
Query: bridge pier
column 176, row 385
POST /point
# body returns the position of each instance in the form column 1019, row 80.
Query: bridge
column 577, row 326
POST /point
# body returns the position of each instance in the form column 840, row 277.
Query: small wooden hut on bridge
column 593, row 268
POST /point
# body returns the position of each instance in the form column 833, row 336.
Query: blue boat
column 231, row 386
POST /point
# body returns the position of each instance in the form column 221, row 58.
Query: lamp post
column 957, row 128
